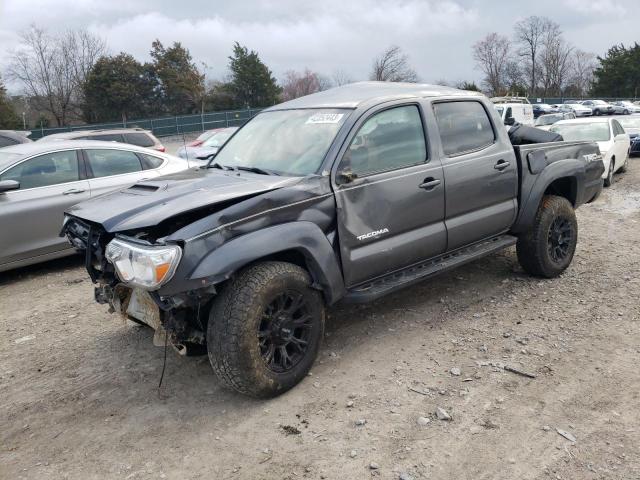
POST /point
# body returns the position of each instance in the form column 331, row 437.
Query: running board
column 381, row 286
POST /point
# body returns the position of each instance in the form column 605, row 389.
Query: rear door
column 389, row 194
column 32, row 216
column 112, row 169
column 480, row 172
column 621, row 142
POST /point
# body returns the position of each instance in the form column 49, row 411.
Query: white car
column 625, row 108
column 607, row 132
column 577, row 109
column 514, row 110
column 40, row 180
column 544, row 122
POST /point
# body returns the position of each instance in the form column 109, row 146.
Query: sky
column 323, row 35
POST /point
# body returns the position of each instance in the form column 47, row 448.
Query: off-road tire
column 533, row 247
column 609, row 180
column 234, row 322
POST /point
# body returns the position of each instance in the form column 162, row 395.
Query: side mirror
column 345, row 176
column 510, row 121
column 8, row 185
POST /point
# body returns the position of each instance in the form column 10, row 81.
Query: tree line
column 71, row 77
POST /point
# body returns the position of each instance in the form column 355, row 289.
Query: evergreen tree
column 252, row 83
column 182, row 85
column 619, row 73
column 9, row 119
column 119, row 88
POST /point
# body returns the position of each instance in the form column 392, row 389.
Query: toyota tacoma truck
column 344, row 195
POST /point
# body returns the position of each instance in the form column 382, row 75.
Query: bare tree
column 298, row 84
column 393, row 66
column 583, row 65
column 530, row 34
column 340, row 77
column 555, row 61
column 492, row 55
column 52, row 70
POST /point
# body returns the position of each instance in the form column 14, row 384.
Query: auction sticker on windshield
column 325, row 118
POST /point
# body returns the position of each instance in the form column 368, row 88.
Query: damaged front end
column 144, row 264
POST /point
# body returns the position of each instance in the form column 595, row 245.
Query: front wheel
column 265, row 329
column 547, row 249
column 609, row 180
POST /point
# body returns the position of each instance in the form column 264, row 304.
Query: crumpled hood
column 149, row 202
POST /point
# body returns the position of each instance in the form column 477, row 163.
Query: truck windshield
column 592, row 132
column 289, row 142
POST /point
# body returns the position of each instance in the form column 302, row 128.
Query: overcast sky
column 324, row 35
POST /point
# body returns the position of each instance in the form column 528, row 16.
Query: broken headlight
column 143, row 266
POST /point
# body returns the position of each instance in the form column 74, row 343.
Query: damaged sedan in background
column 337, row 195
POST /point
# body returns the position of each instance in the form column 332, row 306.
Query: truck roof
column 356, row 94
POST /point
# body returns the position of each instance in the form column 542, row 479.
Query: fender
column 534, row 186
column 303, row 237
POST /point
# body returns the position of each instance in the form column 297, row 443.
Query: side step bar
column 394, row 281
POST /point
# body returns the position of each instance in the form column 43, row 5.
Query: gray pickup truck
column 343, row 195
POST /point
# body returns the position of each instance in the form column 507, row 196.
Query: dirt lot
column 80, row 399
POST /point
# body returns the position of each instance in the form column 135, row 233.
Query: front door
column 389, row 194
column 32, row 216
column 480, row 172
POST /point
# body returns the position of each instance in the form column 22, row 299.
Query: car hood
column 149, row 202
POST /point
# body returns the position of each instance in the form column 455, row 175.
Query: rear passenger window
column 140, row 139
column 6, row 141
column 106, row 137
column 463, row 126
column 104, row 163
column 149, row 161
column 388, row 140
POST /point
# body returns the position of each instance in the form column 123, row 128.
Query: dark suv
column 132, row 136
column 344, row 195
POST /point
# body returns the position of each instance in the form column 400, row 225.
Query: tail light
column 195, row 143
column 160, row 148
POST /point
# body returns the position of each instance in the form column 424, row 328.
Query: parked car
column 625, row 108
column 39, row 180
column 13, row 137
column 599, row 107
column 131, row 136
column 339, row 195
column 607, row 132
column 201, row 138
column 543, row 109
column 631, row 125
column 545, row 121
column 514, row 110
column 209, row 147
column 577, row 109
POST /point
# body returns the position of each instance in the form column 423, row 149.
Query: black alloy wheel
column 560, row 239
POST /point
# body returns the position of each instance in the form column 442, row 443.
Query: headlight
column 146, row 267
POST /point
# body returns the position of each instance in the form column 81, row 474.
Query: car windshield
column 629, row 122
column 284, row 141
column 548, row 119
column 217, row 139
column 599, row 102
column 592, row 132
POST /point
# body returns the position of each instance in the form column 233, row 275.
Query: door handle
column 72, row 191
column 429, row 183
column 501, row 165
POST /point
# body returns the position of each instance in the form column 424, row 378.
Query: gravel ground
column 80, row 396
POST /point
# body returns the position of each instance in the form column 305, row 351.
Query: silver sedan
column 40, row 180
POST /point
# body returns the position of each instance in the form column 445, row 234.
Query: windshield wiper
column 217, row 165
column 258, row 170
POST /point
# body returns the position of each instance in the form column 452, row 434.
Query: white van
column 514, row 110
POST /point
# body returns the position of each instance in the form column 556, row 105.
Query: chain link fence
column 165, row 126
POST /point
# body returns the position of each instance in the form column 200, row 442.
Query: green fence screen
column 165, row 126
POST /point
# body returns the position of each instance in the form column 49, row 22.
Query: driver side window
column 45, row 170
column 388, row 140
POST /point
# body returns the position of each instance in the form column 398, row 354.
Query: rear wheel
column 625, row 112
column 596, row 112
column 609, row 180
column 265, row 329
column 547, row 249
